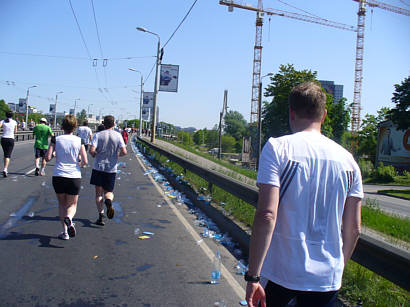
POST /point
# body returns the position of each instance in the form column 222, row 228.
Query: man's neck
column 307, row 126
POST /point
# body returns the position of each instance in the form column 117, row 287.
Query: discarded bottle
column 216, row 269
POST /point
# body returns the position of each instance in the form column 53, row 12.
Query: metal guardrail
column 379, row 257
column 28, row 135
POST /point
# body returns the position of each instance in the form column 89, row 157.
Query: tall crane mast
column 358, row 69
column 257, row 57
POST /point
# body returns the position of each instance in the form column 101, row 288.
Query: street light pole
column 158, row 64
column 141, row 99
column 55, row 110
column 28, row 91
column 75, row 104
column 260, row 120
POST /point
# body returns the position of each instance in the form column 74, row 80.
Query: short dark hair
column 109, row 121
column 85, row 123
column 308, row 101
column 69, row 123
column 9, row 114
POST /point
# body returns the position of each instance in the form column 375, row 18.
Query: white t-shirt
column 8, row 128
column 67, row 150
column 107, row 143
column 315, row 176
column 84, row 133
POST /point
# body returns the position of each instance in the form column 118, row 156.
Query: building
column 13, row 106
column 334, row 89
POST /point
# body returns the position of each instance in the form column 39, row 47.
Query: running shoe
column 70, row 226
column 4, row 174
column 110, row 209
column 37, row 172
column 63, row 236
column 43, row 172
column 100, row 220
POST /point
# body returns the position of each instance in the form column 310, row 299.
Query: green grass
column 372, row 289
column 394, row 226
column 358, row 282
column 398, row 180
column 400, row 193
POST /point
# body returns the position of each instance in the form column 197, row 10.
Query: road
column 388, row 204
column 104, row 266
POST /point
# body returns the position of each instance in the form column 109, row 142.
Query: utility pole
column 221, row 116
column 55, row 110
column 75, row 104
column 28, row 91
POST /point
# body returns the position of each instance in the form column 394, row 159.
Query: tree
column 235, row 125
column 199, row 136
column 400, row 115
column 212, row 138
column 81, row 116
column 3, row 109
column 227, row 143
column 337, row 119
column 185, row 137
column 276, row 113
column 367, row 136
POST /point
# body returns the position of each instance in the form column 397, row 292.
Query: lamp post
column 260, row 119
column 75, row 104
column 55, row 110
column 141, row 97
column 88, row 109
column 158, row 64
column 28, row 91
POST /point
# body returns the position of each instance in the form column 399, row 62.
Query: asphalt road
column 104, row 266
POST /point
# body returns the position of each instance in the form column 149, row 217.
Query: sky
column 40, row 44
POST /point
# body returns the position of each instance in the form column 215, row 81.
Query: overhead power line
column 79, row 29
column 75, row 58
column 182, row 21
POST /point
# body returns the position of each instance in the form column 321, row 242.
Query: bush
column 384, row 173
column 406, row 174
column 366, row 168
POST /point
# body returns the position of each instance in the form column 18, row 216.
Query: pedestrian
column 9, row 126
column 106, row 147
column 41, row 132
column 100, row 127
column 124, row 135
column 307, row 221
column 85, row 133
column 66, row 173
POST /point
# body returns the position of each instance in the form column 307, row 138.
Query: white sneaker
column 63, row 236
column 43, row 172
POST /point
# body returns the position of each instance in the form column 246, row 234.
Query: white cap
column 43, row 120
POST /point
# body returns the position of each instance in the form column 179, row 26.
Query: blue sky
column 214, row 49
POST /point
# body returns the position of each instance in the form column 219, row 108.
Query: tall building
column 331, row 88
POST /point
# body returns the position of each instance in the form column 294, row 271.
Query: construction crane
column 257, row 57
column 358, row 69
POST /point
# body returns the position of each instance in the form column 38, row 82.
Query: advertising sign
column 72, row 112
column 148, row 100
column 146, row 112
column 22, row 105
column 393, row 146
column 52, row 108
column 168, row 78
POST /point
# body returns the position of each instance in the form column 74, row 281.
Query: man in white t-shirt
column 308, row 187
column 85, row 133
column 106, row 147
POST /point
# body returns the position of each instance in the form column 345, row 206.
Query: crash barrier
column 388, row 261
column 28, row 135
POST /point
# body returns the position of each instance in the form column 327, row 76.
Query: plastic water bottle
column 216, row 269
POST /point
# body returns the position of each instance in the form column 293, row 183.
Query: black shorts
column 86, row 147
column 8, row 145
column 103, row 179
column 65, row 185
column 40, row 152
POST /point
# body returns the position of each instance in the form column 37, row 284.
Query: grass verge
column 400, row 193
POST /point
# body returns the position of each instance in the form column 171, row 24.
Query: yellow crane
column 257, row 58
column 358, row 70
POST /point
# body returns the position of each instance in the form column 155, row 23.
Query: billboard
column 52, row 108
column 22, row 105
column 393, row 146
column 168, row 78
column 72, row 112
column 146, row 112
column 148, row 100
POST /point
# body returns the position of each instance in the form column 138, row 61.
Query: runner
column 41, row 132
column 124, row 134
column 85, row 133
column 7, row 140
column 106, row 147
column 66, row 174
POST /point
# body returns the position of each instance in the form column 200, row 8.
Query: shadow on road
column 45, row 241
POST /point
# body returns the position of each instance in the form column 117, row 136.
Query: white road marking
column 29, row 172
column 208, row 252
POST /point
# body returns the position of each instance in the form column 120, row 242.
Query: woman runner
column 7, row 140
column 66, row 174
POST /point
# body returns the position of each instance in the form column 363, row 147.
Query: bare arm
column 351, row 221
column 50, row 151
column 93, row 153
column 262, row 230
column 123, row 151
column 83, row 155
